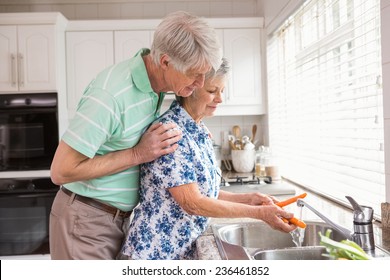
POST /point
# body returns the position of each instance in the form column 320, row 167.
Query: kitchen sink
column 258, row 241
column 295, row 253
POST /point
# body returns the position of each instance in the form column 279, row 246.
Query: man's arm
column 69, row 165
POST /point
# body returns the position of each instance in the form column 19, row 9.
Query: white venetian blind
column 325, row 99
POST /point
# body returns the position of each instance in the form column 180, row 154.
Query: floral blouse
column 161, row 229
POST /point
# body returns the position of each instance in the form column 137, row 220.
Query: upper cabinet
column 87, row 53
column 28, row 53
column 92, row 46
column 243, row 94
column 128, row 43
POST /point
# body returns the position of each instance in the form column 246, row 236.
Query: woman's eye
column 212, row 91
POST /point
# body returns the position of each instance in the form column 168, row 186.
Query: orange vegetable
column 294, row 221
column 291, row 200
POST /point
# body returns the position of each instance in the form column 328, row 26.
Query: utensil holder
column 243, row 160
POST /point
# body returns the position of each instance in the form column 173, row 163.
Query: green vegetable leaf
column 345, row 249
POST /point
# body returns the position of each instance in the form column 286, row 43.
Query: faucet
column 363, row 233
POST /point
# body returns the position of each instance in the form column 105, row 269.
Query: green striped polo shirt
column 114, row 111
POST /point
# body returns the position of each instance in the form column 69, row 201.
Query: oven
column 24, row 215
column 28, row 140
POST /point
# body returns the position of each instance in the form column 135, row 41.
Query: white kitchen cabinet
column 128, row 43
column 94, row 45
column 29, row 59
column 87, row 54
column 243, row 94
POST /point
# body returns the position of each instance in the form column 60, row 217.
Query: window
column 325, row 99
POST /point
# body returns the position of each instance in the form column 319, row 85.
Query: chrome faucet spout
column 347, row 233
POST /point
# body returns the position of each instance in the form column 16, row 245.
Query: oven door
column 24, row 223
column 28, row 131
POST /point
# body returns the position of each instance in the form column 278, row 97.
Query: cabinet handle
column 13, row 70
column 20, row 72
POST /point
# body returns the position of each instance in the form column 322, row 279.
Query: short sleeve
column 96, row 119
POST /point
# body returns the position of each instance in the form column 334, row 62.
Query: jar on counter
column 260, row 161
column 272, row 167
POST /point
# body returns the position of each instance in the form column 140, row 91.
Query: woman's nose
column 218, row 97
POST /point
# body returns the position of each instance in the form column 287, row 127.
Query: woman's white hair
column 188, row 40
column 222, row 72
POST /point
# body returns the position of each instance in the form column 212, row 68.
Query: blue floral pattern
column 161, row 229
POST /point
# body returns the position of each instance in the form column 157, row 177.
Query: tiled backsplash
column 217, row 125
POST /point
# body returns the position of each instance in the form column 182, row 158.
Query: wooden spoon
column 254, row 130
column 237, row 132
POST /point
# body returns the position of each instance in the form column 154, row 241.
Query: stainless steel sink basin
column 258, row 241
column 297, row 253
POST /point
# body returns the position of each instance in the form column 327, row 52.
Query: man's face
column 185, row 84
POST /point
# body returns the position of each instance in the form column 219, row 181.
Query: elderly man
column 97, row 160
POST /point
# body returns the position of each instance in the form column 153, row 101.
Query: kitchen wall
column 136, row 9
column 385, row 22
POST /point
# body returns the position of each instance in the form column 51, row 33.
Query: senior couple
column 119, row 157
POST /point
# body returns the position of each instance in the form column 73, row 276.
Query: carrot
column 295, row 221
column 290, row 200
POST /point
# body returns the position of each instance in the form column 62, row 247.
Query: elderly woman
column 180, row 191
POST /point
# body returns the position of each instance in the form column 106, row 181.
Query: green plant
column 345, row 249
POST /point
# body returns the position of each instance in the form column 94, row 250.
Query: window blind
column 325, row 100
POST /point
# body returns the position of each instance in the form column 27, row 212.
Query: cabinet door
column 128, row 43
column 8, row 53
column 242, row 48
column 36, row 58
column 88, row 53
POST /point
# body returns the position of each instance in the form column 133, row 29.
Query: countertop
column 208, row 250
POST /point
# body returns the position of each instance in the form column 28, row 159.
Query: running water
column 299, row 233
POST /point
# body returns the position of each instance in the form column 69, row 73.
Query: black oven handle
column 22, row 101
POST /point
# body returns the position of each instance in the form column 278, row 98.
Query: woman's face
column 204, row 101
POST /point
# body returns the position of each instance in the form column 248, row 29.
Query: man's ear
column 164, row 61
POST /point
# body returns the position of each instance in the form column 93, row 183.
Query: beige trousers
column 81, row 232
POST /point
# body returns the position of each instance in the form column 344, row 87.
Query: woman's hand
column 261, row 199
column 272, row 214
